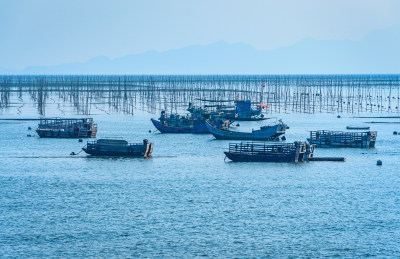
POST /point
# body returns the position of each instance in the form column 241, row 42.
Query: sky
column 52, row 32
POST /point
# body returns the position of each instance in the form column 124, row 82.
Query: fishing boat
column 326, row 138
column 67, row 128
column 299, row 151
column 179, row 124
column 264, row 133
column 118, row 147
column 193, row 122
column 243, row 112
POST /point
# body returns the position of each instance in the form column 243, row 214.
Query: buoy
column 72, row 154
column 283, row 138
column 149, row 131
column 394, row 132
column 379, row 162
column 29, row 135
column 29, row 128
column 338, row 116
column 80, row 140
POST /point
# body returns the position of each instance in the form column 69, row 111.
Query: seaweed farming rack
column 282, row 93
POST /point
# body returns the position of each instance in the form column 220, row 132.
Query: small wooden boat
column 264, row 133
column 299, row 151
column 326, row 138
column 67, row 128
column 118, row 147
column 352, row 127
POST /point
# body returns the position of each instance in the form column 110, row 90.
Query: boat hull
column 244, row 119
column 199, row 129
column 353, row 144
column 43, row 133
column 269, row 134
column 240, row 157
column 138, row 151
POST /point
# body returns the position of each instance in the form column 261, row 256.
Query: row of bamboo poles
column 282, row 93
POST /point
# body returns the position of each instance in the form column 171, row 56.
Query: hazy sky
column 50, row 32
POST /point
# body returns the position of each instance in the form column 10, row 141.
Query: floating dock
column 326, row 138
column 67, row 128
column 299, row 151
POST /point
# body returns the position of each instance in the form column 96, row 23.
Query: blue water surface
column 186, row 201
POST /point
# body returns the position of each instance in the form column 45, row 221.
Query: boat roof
column 105, row 141
column 58, row 118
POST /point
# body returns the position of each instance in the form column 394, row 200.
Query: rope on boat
column 75, row 154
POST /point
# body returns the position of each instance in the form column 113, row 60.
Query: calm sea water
column 186, row 201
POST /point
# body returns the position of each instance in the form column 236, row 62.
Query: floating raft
column 333, row 159
column 118, row 147
column 326, row 138
column 67, row 128
column 299, row 151
column 352, row 127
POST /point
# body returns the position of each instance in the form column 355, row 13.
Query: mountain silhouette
column 376, row 53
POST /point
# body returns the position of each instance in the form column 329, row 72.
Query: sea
column 188, row 200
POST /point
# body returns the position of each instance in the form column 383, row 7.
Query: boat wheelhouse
column 244, row 112
column 67, row 128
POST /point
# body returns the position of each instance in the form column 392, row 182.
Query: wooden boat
column 118, row 147
column 264, row 133
column 352, row 127
column 326, row 138
column 194, row 122
column 299, row 151
column 178, row 124
column 67, row 128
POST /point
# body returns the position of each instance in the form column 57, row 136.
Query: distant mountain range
column 376, row 53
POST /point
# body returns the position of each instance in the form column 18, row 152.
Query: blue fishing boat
column 244, row 112
column 180, row 126
column 264, row 133
column 193, row 122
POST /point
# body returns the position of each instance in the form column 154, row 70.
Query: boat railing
column 262, row 148
column 66, row 122
column 91, row 144
column 341, row 136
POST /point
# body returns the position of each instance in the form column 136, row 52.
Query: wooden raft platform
column 326, row 138
column 67, row 128
column 299, row 151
